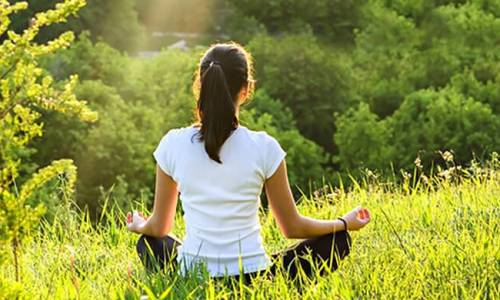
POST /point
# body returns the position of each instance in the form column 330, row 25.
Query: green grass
column 438, row 241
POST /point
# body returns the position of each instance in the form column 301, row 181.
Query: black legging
column 164, row 252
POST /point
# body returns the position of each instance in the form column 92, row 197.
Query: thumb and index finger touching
column 131, row 216
column 363, row 214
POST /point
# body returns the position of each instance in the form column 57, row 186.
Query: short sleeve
column 274, row 154
column 163, row 154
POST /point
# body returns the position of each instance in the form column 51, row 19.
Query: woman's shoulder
column 178, row 132
column 260, row 137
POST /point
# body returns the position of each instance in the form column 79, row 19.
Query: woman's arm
column 292, row 223
column 161, row 221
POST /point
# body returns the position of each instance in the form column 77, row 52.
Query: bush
column 115, row 22
column 485, row 92
column 362, row 139
column 263, row 103
column 428, row 121
column 333, row 20
column 311, row 80
column 398, row 52
column 91, row 61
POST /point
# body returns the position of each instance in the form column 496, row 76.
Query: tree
column 308, row 78
column 26, row 91
column 427, row 122
column 431, row 120
column 406, row 46
column 334, row 20
column 362, row 139
column 114, row 21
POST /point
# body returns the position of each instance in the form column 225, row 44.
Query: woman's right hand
column 136, row 221
column 357, row 218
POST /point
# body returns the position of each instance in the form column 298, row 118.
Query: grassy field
column 436, row 240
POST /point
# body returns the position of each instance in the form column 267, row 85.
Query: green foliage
column 398, row 53
column 384, row 57
column 120, row 144
column 24, row 89
column 363, row 139
column 429, row 71
column 427, row 122
column 311, row 80
column 442, row 120
column 168, row 77
column 18, row 218
column 91, row 61
column 486, row 92
column 334, row 20
column 263, row 103
column 242, row 28
column 115, row 22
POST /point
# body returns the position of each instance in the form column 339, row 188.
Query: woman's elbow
column 292, row 232
column 293, row 235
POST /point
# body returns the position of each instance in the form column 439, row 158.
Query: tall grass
column 432, row 238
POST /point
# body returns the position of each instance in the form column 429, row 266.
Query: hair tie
column 214, row 62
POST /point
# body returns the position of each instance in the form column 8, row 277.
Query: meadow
column 430, row 238
column 344, row 86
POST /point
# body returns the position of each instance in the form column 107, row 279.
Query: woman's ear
column 242, row 96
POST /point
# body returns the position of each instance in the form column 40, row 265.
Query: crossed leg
column 325, row 250
column 157, row 253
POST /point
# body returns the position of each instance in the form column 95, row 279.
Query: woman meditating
column 219, row 167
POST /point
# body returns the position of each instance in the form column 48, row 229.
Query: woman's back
column 221, row 201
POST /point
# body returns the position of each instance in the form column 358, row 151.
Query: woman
column 220, row 167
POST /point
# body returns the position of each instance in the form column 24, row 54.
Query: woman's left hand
column 136, row 221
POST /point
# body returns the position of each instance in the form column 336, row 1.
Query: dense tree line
column 342, row 85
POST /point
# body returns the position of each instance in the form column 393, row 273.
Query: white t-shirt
column 220, row 201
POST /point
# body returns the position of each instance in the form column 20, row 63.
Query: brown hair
column 224, row 70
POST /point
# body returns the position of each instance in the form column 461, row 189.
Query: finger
column 129, row 217
column 363, row 213
column 356, row 210
column 366, row 214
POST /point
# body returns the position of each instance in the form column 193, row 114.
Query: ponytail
column 224, row 70
column 217, row 110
